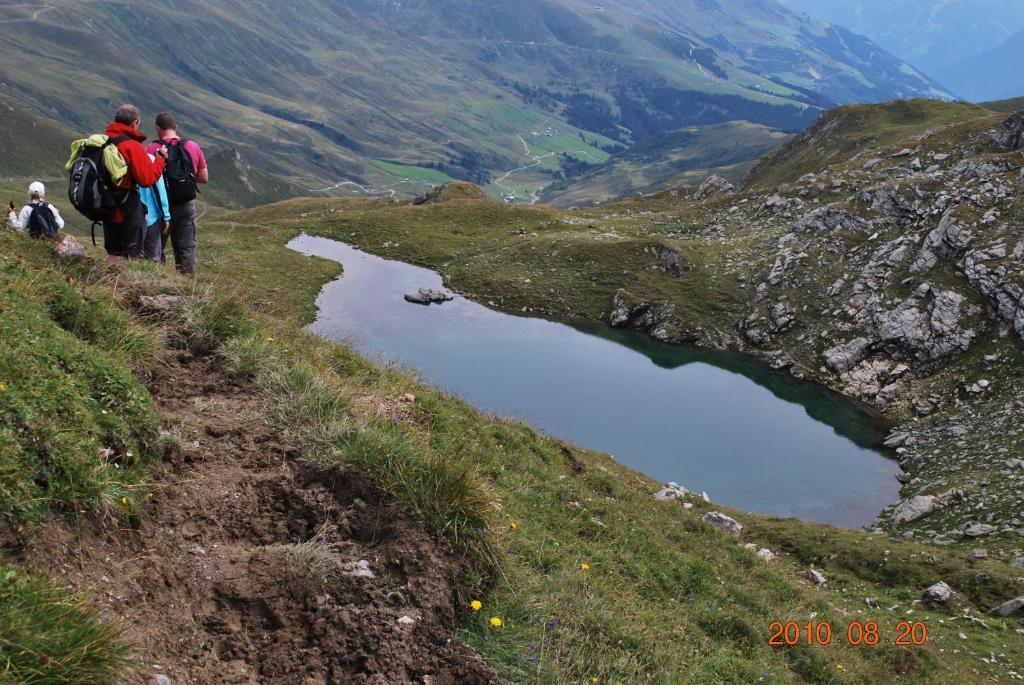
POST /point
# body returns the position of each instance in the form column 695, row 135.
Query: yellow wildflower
column 840, row 667
column 513, row 525
column 476, row 605
column 124, row 501
column 594, row 680
column 585, row 567
column 496, row 622
column 2, row 387
column 270, row 338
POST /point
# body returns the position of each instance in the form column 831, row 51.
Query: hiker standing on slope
column 186, row 167
column 38, row 218
column 124, row 233
column 158, row 219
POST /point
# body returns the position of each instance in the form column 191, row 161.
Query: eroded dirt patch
column 249, row 567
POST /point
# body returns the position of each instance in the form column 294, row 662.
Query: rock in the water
column 940, row 593
column 427, row 296
column 714, row 185
column 657, row 319
column 1008, row 608
column 977, row 530
column 1009, row 135
column 70, row 248
column 914, row 508
column 818, row 577
column 724, row 523
column 844, row 357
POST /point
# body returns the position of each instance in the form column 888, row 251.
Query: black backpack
column 41, row 222
column 179, row 173
column 90, row 189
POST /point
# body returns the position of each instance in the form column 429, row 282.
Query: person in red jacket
column 124, row 233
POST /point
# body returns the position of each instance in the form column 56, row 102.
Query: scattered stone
column 161, row 679
column 671, row 491
column 914, row 508
column 723, row 522
column 765, row 555
column 939, row 593
column 871, row 602
column 1008, row 608
column 406, row 620
column 818, row 577
column 359, row 569
column 977, row 530
column 979, row 553
column 160, row 303
column 70, row 248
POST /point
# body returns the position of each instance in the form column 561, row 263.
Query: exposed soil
column 212, row 583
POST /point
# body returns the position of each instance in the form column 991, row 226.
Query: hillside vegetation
column 590, row 577
column 464, row 89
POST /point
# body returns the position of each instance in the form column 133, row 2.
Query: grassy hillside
column 335, row 92
column 687, row 157
column 1007, row 106
column 590, row 577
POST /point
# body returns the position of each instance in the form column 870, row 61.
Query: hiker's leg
column 183, row 237
column 135, row 228
column 153, row 244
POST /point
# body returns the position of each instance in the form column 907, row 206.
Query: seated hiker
column 158, row 219
column 39, row 218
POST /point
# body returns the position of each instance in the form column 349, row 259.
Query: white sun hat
column 37, row 188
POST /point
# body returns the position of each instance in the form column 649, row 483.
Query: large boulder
column 844, row 357
column 70, row 248
column 928, row 323
column 939, row 593
column 1008, row 608
column 1009, row 135
column 712, row 186
column 914, row 508
column 726, row 524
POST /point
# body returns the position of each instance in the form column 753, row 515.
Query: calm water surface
column 751, row 437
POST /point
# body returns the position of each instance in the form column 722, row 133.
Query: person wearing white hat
column 38, row 217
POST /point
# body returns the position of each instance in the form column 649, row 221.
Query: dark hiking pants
column 153, row 247
column 183, row 236
column 124, row 238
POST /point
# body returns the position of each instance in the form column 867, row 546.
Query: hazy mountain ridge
column 319, row 94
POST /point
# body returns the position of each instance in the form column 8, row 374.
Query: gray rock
column 1009, row 135
column 1008, row 608
column 927, row 323
column 979, row 553
column 949, row 239
column 70, row 248
column 427, row 296
column 670, row 492
column 1018, row 562
column 723, row 523
column 977, row 530
column 914, row 508
column 657, row 319
column 844, row 357
column 161, row 679
column 818, row 577
column 358, row 569
column 831, row 220
column 782, row 316
column 939, row 593
column 160, row 303
column 714, row 185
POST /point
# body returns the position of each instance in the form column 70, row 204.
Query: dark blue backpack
column 41, row 222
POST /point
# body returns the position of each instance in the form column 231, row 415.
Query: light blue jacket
column 155, row 199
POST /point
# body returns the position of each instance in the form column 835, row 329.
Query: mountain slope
column 936, row 37
column 339, row 90
column 686, row 156
column 991, row 74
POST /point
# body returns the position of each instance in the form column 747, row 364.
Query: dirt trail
column 214, row 589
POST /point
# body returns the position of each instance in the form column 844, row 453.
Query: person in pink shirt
column 185, row 168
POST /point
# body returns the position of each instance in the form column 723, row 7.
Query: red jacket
column 141, row 171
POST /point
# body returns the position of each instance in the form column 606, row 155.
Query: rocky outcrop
column 994, row 283
column 1009, row 135
column 949, row 239
column 844, row 357
column 832, row 220
column 927, row 324
column 657, row 319
column 674, row 264
column 1008, row 608
column 713, row 186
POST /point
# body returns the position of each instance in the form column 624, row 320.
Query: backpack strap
column 116, row 140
